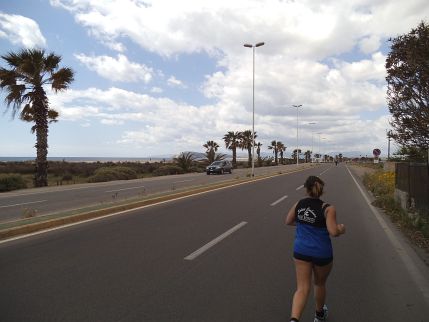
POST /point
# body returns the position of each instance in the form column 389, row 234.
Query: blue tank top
column 312, row 236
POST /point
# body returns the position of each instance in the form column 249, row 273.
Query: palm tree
column 211, row 148
column 29, row 71
column 307, row 155
column 232, row 140
column 246, row 142
column 281, row 148
column 294, row 154
column 274, row 147
column 185, row 160
column 258, row 152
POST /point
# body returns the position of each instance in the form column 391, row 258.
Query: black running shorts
column 315, row 260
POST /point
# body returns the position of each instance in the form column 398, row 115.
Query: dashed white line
column 183, row 181
column 325, row 171
column 22, row 204
column 126, row 189
column 300, row 187
column 278, row 201
column 201, row 250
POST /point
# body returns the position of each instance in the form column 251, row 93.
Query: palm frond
column 62, row 79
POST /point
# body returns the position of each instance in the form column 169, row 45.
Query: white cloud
column 119, row 69
column 21, row 30
column 174, row 82
column 156, row 90
column 175, row 127
column 308, row 28
column 111, row 122
column 365, row 70
column 326, row 55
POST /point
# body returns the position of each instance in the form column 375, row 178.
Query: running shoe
column 323, row 318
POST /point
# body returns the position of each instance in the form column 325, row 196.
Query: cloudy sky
column 158, row 77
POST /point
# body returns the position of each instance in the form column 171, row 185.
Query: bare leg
column 321, row 274
column 303, row 285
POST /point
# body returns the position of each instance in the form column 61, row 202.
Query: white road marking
column 135, row 209
column 420, row 280
column 201, row 250
column 325, row 171
column 22, row 204
column 300, row 187
column 278, row 201
column 183, row 181
column 139, row 187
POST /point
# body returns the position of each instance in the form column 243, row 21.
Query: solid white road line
column 22, row 204
column 139, row 187
column 201, row 250
column 403, row 250
column 278, row 201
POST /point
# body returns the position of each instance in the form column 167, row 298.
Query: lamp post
column 323, row 154
column 312, row 141
column 297, row 149
column 253, row 108
column 318, row 150
column 389, row 134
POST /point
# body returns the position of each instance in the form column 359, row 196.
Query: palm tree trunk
column 234, row 157
column 249, row 162
column 41, row 120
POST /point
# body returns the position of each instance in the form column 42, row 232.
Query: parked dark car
column 219, row 167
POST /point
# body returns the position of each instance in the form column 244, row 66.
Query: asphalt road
column 218, row 256
column 16, row 205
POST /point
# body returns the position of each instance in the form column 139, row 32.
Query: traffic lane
column 369, row 280
column 136, row 253
column 18, row 205
column 248, row 277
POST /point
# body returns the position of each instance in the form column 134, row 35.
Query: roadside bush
column 382, row 185
column 167, row 170
column 113, row 173
column 9, row 182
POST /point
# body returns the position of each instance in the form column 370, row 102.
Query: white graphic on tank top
column 307, row 215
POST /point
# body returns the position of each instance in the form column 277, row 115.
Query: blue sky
column 161, row 77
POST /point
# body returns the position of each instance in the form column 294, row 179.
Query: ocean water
column 86, row 159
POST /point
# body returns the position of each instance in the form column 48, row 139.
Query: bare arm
column 290, row 218
column 334, row 229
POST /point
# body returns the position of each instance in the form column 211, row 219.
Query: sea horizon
column 90, row 159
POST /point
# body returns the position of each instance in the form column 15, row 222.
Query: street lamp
column 389, row 135
column 297, row 150
column 312, row 140
column 253, row 113
column 325, row 154
column 318, row 150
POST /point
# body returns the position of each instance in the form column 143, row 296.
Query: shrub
column 9, row 182
column 380, row 183
column 113, row 173
column 167, row 170
column 67, row 177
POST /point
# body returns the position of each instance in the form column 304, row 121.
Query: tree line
column 235, row 140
